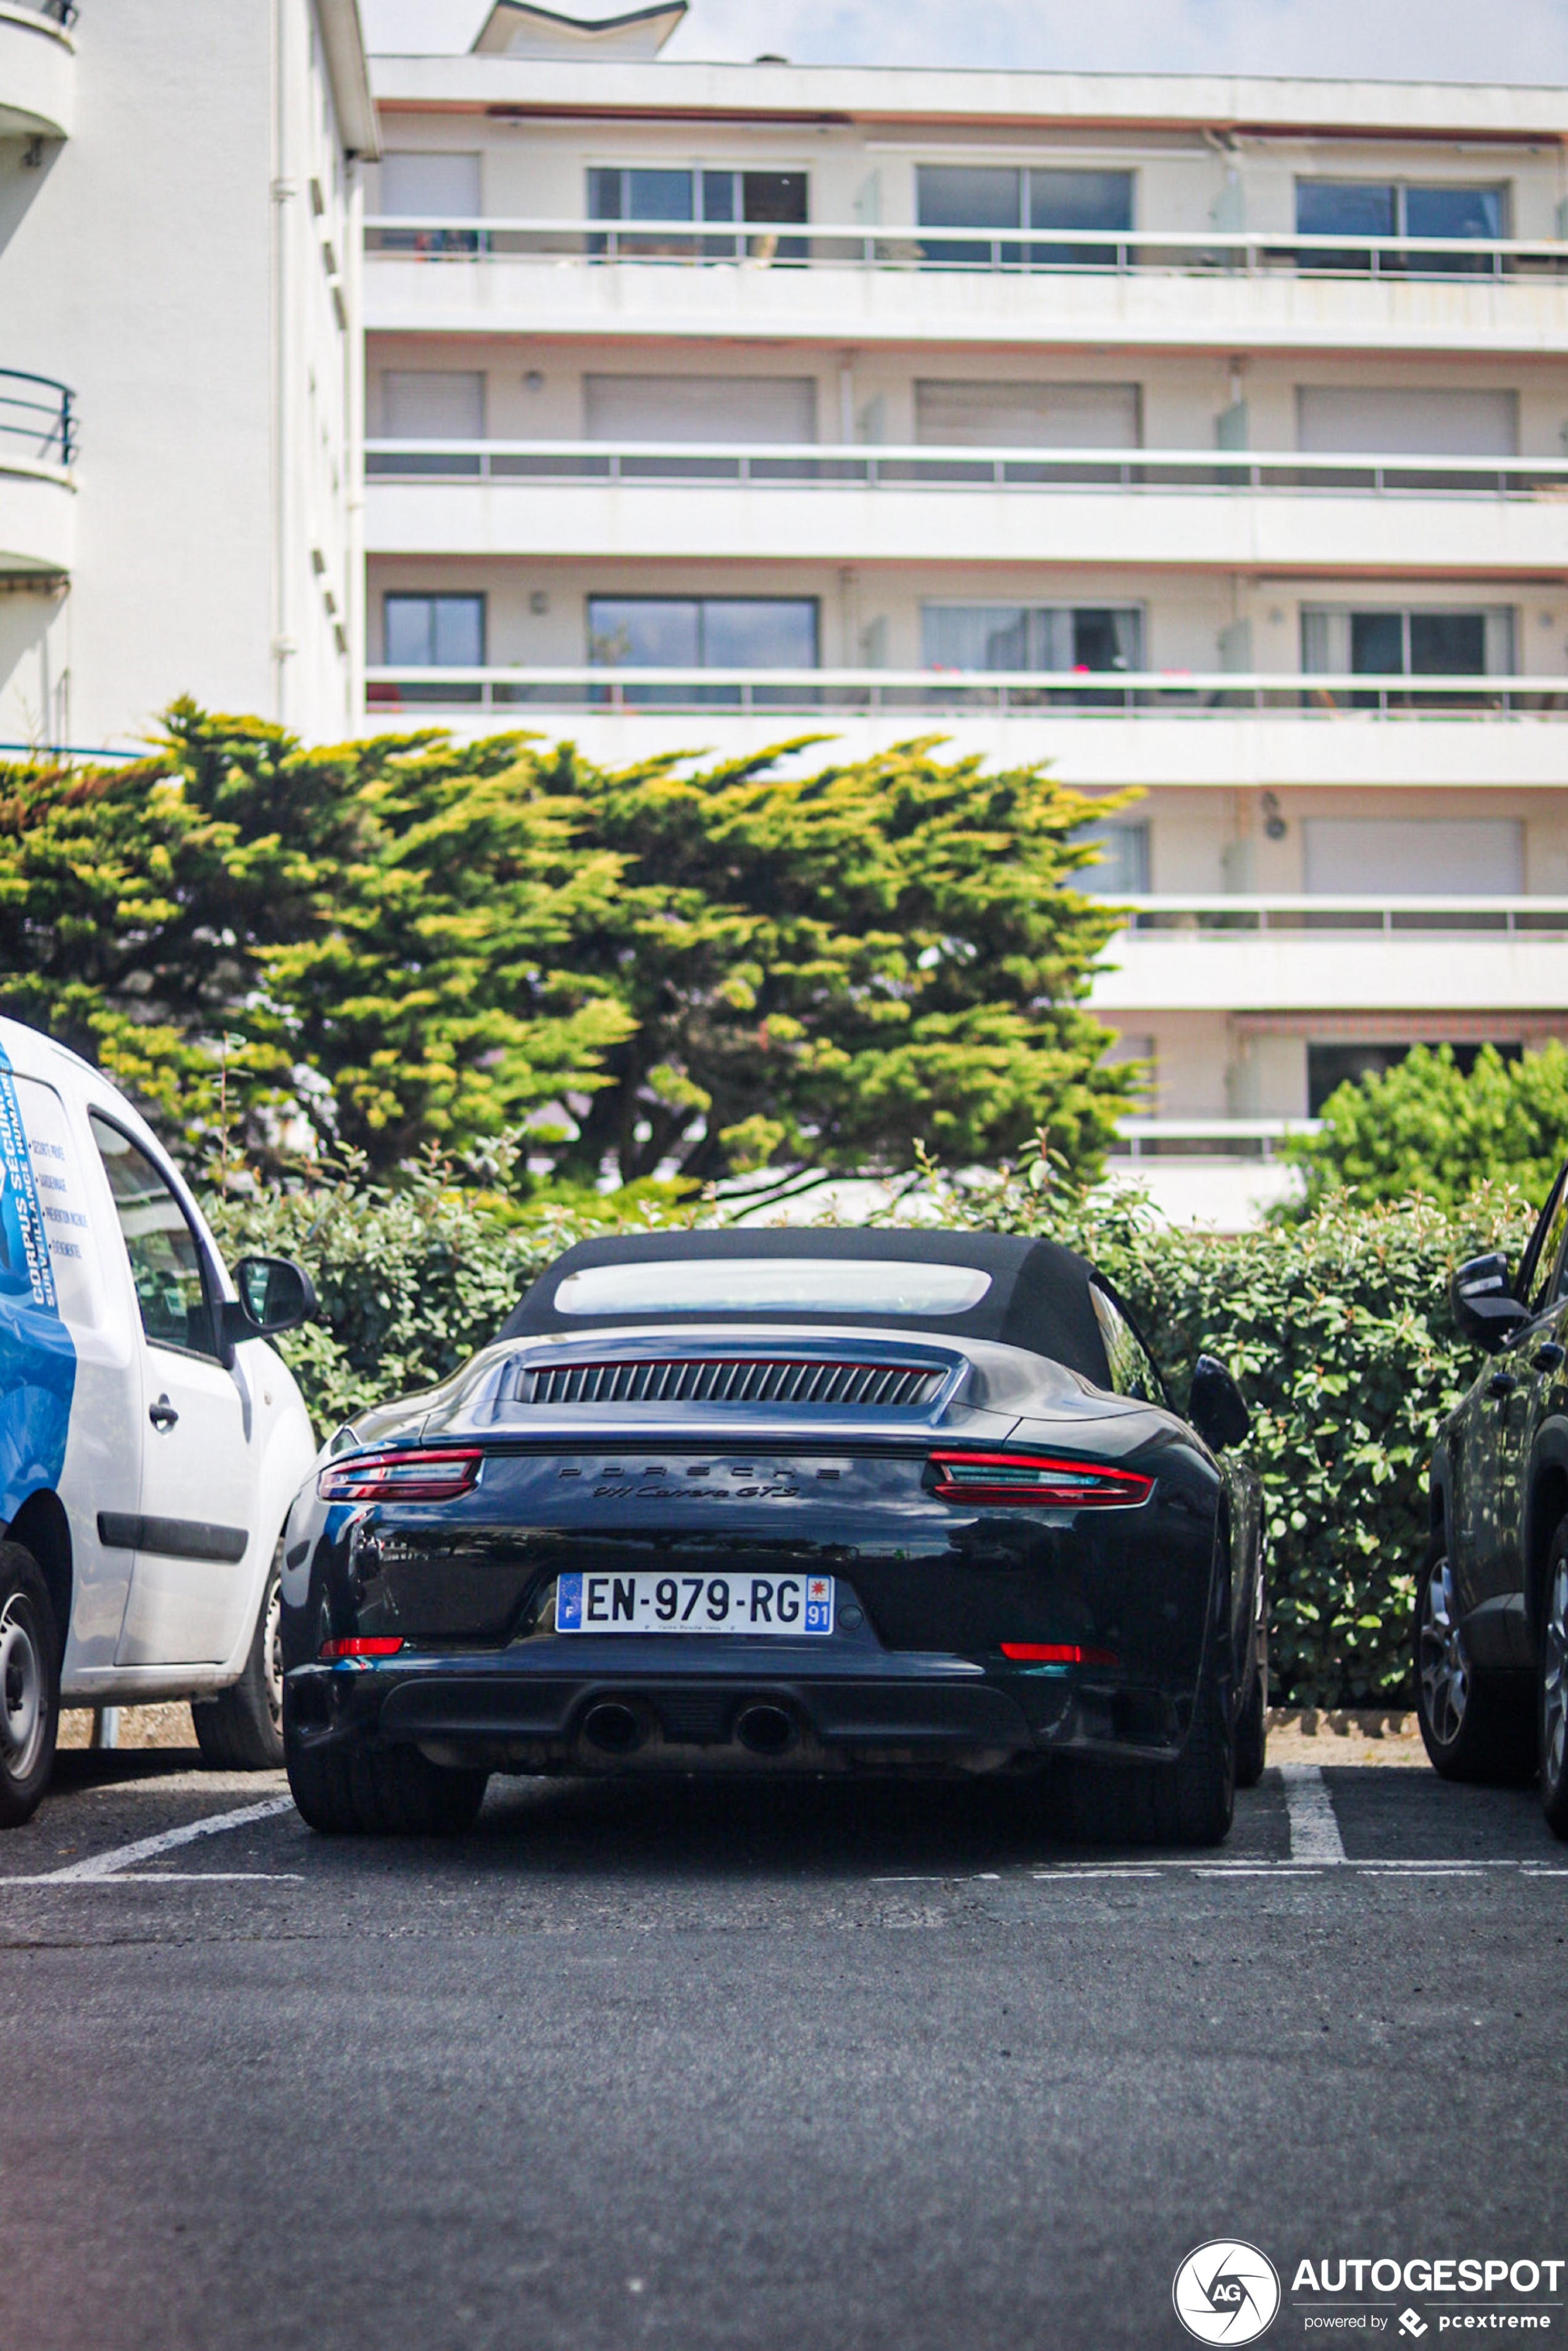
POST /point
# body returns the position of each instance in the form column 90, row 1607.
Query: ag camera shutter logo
column 1225, row 2292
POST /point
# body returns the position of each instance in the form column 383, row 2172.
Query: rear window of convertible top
column 773, row 1285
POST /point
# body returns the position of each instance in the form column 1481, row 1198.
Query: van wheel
column 381, row 1791
column 29, row 1686
column 241, row 1729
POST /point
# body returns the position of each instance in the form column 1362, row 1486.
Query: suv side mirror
column 1485, row 1309
column 275, row 1295
column 1216, row 1406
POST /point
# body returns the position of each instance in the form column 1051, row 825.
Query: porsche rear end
column 802, row 1555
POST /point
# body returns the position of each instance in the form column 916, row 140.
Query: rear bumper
column 530, row 1712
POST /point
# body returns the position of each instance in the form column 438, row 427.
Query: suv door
column 1537, row 1363
column 198, row 1430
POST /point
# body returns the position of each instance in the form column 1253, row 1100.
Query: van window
column 62, row 1208
column 165, row 1255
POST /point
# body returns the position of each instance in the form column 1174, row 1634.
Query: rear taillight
column 1045, row 1479
column 409, row 1475
column 362, row 1644
column 1056, row 1653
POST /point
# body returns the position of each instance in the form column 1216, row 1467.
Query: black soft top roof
column 1039, row 1296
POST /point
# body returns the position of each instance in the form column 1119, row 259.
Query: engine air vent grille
column 730, row 1379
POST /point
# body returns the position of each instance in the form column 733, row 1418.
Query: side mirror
column 1485, row 1309
column 1216, row 1406
column 275, row 1295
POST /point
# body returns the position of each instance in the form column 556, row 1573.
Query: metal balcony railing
column 1048, row 251
column 1025, row 694
column 1424, row 915
column 38, row 420
column 1206, row 1138
column 882, row 466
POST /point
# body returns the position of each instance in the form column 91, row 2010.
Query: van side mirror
column 1485, row 1309
column 1216, row 1406
column 275, row 1295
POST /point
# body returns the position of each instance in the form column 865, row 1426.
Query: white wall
column 138, row 266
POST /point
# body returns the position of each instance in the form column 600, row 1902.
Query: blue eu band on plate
column 642, row 1602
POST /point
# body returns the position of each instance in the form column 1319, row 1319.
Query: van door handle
column 1548, row 1357
column 162, row 1414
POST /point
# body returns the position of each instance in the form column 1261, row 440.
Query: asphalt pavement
column 742, row 2066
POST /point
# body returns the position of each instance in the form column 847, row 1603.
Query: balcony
column 1247, row 291
column 38, row 446
column 1188, row 509
column 37, row 69
column 1097, row 729
column 1323, row 953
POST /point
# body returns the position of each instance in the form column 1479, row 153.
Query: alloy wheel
column 1444, row 1662
column 1554, row 1679
column 22, row 1708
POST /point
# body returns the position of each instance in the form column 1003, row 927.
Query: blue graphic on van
column 38, row 1355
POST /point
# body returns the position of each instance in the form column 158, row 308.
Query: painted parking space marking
column 121, row 1857
column 1314, row 1828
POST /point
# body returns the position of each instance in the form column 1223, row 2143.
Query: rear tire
column 1473, row 1727
column 241, row 1729
column 1553, row 1688
column 381, row 1791
column 1252, row 1730
column 1189, row 1802
column 29, row 1686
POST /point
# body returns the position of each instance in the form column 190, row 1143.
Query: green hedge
column 1338, row 1330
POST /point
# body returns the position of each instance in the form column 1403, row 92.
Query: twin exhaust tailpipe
column 614, row 1728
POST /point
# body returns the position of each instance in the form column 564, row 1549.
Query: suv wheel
column 1554, row 1689
column 1471, row 1727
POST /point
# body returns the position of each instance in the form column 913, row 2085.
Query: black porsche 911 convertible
column 789, row 1501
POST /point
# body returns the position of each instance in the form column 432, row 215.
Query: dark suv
column 1491, row 1610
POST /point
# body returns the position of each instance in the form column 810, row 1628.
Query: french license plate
column 646, row 1603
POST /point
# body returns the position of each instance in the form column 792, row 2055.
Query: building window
column 986, row 195
column 1426, row 420
column 767, row 200
column 1351, row 208
column 700, row 408
column 1032, row 636
column 957, row 415
column 434, row 632
column 426, row 186
column 1123, row 870
column 696, row 633
column 1411, row 857
column 1332, row 1066
column 1442, row 641
column 431, row 404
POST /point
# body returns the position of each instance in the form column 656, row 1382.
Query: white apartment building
column 1207, row 436
column 179, row 364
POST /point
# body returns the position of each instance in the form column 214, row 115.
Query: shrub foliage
column 1426, row 1128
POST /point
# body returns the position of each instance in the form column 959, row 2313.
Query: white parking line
column 122, row 1857
column 1314, row 1831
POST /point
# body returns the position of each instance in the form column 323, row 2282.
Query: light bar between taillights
column 1048, row 1480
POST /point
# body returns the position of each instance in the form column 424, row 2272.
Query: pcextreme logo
column 1225, row 2292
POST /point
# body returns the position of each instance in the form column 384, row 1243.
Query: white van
column 150, row 1441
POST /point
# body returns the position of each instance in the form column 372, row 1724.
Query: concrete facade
column 181, row 250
